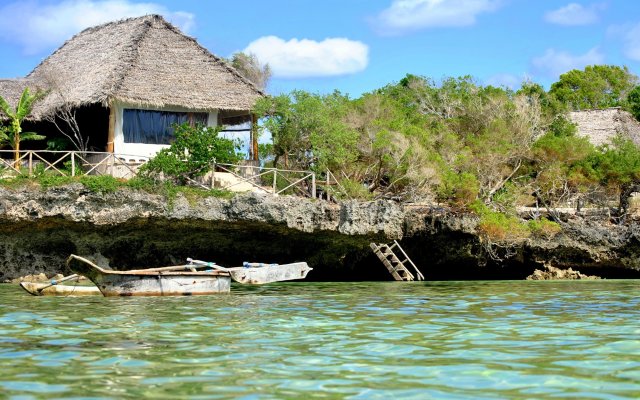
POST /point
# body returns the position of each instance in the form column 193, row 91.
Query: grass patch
column 109, row 184
column 17, row 181
column 50, row 180
column 194, row 194
column 102, row 183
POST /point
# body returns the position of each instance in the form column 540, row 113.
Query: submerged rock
column 553, row 273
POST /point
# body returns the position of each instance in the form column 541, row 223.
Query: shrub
column 499, row 227
column 544, row 228
column 354, row 190
column 50, row 180
column 192, row 153
column 459, row 188
column 101, row 184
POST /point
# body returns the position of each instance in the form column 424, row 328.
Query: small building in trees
column 601, row 126
column 125, row 83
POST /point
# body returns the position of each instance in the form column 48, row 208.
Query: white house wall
column 140, row 149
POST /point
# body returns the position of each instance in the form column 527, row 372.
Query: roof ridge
column 217, row 59
column 135, row 44
column 92, row 29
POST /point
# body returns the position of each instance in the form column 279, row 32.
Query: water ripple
column 448, row 340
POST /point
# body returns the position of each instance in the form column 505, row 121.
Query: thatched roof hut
column 144, row 61
column 600, row 126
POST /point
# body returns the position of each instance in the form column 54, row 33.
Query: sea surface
column 368, row 340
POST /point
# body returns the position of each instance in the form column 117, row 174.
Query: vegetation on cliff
column 462, row 143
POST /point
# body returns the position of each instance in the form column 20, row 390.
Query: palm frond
column 31, row 136
column 6, row 108
column 25, row 104
column 6, row 137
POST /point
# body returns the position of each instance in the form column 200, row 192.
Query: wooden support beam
column 254, row 137
column 112, row 128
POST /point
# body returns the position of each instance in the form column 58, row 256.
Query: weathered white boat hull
column 270, row 273
column 43, row 289
column 161, row 282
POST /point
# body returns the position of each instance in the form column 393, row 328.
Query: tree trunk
column 625, row 193
column 16, row 151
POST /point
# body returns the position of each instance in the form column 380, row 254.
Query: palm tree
column 13, row 134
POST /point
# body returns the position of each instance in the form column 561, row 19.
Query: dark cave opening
column 45, row 244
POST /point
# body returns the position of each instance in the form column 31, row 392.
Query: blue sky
column 356, row 46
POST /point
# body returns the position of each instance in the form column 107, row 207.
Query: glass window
column 155, row 127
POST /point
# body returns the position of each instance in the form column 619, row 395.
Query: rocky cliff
column 40, row 228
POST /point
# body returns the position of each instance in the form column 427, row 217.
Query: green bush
column 353, row 189
column 191, row 154
column 544, row 228
column 458, row 188
column 101, row 183
column 50, row 180
column 499, row 227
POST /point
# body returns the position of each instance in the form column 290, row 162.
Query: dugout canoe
column 180, row 280
column 45, row 289
column 258, row 273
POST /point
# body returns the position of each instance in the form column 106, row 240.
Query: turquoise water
column 380, row 340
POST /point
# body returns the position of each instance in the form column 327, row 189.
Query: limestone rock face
column 127, row 229
column 40, row 228
column 75, row 203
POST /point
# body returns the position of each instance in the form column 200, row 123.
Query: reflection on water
column 454, row 340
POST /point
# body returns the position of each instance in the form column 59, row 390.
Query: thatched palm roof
column 145, row 61
column 601, row 126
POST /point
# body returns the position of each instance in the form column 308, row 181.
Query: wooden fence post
column 313, row 185
column 275, row 176
column 73, row 163
column 328, row 183
column 213, row 173
column 30, row 163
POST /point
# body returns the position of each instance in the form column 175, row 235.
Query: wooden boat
column 183, row 280
column 45, row 289
column 258, row 273
column 180, row 280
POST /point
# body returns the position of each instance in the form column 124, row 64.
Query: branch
column 501, row 184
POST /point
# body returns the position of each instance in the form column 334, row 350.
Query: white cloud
column 554, row 63
column 410, row 15
column 309, row 58
column 505, row 80
column 39, row 26
column 632, row 43
column 574, row 14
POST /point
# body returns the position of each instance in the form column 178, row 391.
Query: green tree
column 618, row 167
column 250, row 68
column 13, row 134
column 550, row 105
column 560, row 171
column 597, row 86
column 308, row 130
column 392, row 148
column 633, row 102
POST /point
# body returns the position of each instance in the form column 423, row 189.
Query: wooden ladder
column 396, row 267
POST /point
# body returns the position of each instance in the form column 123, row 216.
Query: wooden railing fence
column 266, row 179
column 70, row 163
column 76, row 163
